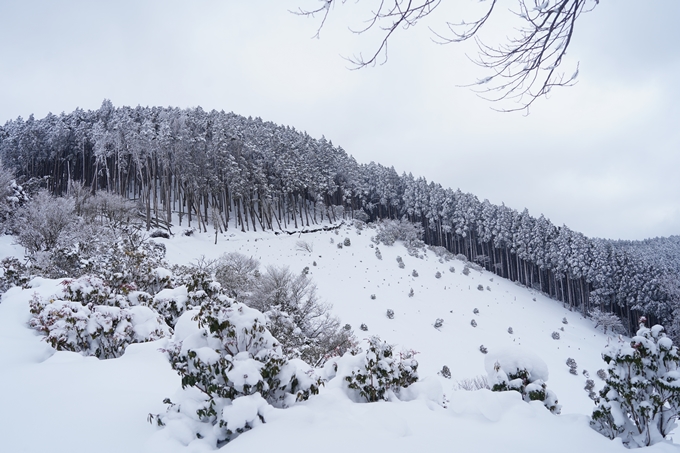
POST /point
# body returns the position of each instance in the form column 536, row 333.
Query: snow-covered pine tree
column 640, row 401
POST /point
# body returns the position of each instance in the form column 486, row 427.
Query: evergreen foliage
column 528, row 381
column 234, row 361
column 382, row 372
column 245, row 173
column 640, row 401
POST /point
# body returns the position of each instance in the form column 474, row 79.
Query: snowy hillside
column 61, row 401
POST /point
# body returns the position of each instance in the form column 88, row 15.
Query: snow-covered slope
column 59, row 401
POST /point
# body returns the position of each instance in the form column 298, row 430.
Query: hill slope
column 60, row 401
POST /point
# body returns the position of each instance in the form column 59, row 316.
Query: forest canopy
column 219, row 170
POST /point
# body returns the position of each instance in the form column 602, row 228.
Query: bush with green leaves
column 92, row 320
column 523, row 372
column 640, row 401
column 233, row 370
column 14, row 273
column 381, row 372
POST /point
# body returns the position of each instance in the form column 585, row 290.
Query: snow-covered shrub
column 410, row 293
column 297, row 318
column 402, row 265
column 438, row 275
column 607, row 321
column 390, row 231
column 332, row 241
column 473, row 323
column 438, row 323
column 564, row 321
column 236, row 273
column 102, row 330
column 586, row 373
column 12, row 196
column 510, row 331
column 313, row 263
column 390, row 313
column 523, row 372
column 14, row 273
column 488, row 288
column 602, row 374
column 555, row 335
column 347, row 242
column 452, row 269
column 474, row 384
column 381, row 372
column 445, row 372
column 363, row 327
column 339, row 245
column 466, row 270
column 640, row 401
column 483, row 349
column 40, row 223
column 378, row 254
column 414, row 273
column 573, row 368
column 239, row 369
column 305, row 271
column 461, row 257
column 400, row 259
column 158, row 233
column 372, row 296
column 589, row 388
column 188, row 232
column 475, row 311
column 480, row 287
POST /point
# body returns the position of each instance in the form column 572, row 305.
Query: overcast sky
column 602, row 157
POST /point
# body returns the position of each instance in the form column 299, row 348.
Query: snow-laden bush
column 555, row 335
column 89, row 319
column 297, row 318
column 607, row 321
column 522, row 372
column 640, row 401
column 390, row 313
column 380, row 373
column 14, row 273
column 573, row 367
column 237, row 272
column 390, row 231
column 438, row 275
column 233, row 370
column 438, row 323
column 347, row 242
column 12, row 196
column 445, row 372
column 43, row 221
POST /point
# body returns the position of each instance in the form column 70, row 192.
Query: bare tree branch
column 523, row 69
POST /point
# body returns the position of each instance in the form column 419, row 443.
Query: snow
column 60, row 401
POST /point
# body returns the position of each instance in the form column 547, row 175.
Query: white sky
column 601, row 157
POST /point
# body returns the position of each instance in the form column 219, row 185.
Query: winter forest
column 220, row 171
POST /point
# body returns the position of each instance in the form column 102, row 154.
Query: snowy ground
column 59, row 401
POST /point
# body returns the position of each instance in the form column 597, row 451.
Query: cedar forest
column 218, row 170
